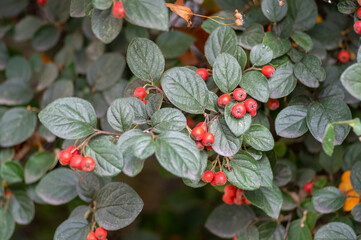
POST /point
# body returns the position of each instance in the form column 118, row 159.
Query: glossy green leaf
column 260, row 54
column 58, row 11
column 47, row 76
column 273, row 11
column 7, row 224
column 25, row 29
column 46, row 37
column 174, row 43
column 18, row 67
column 309, row 71
column 252, row 36
column 22, row 207
column 102, row 4
column 347, row 7
column 59, row 89
column 356, row 177
column 299, row 231
column 335, row 230
column 350, row 79
column 256, row 85
column 303, row 14
column 282, row 82
column 12, row 172
column 328, row 140
column 37, row 165
column 75, row 227
column 88, row 186
column 279, row 47
column 303, row 40
column 332, row 163
column 120, row 115
column 105, row 26
column 265, row 171
column 227, row 73
column 259, row 137
column 168, row 119
column 154, row 103
column 291, row 121
column 15, row 91
column 328, row 199
column 238, row 126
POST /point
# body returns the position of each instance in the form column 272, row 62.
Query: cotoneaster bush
column 260, row 99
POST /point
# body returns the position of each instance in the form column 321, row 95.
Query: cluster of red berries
column 357, row 25
column 202, row 137
column 239, row 109
column 234, row 195
column 77, row 162
column 308, row 187
column 273, row 104
column 99, row 234
column 140, row 93
column 216, row 179
column 41, row 2
column 203, row 73
column 118, row 10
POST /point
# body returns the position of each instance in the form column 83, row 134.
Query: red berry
column 87, row 164
column 64, row 157
column 253, row 113
column 207, row 176
column 238, row 201
column 144, row 101
column 268, row 70
column 91, row 236
column 74, row 151
column 41, row 2
column 118, row 10
column 200, row 146
column 238, row 110
column 227, row 199
column 235, row 238
column 357, row 27
column 359, row 13
column 223, row 100
column 203, row 125
column 140, row 92
column 220, row 178
column 203, row 73
column 213, row 183
column 239, row 94
column 273, row 104
column 190, row 122
column 100, row 233
column 239, row 193
column 343, row 56
column 250, row 104
column 209, row 147
column 197, row 133
column 208, row 139
column 268, row 29
column 245, row 200
column 230, row 190
column 75, row 162
column 308, row 187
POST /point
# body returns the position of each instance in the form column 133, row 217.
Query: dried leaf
column 182, row 11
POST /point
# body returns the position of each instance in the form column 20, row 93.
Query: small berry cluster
column 234, row 195
column 99, row 234
column 273, row 104
column 216, row 179
column 140, row 93
column 203, row 73
column 239, row 18
column 202, row 137
column 118, row 10
column 357, row 25
column 77, row 162
column 239, row 109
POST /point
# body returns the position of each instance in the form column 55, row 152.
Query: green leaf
column 332, row 163
column 278, row 46
column 238, row 126
column 178, row 154
column 120, row 115
column 132, row 31
column 185, row 89
column 356, row 212
column 22, row 207
column 168, row 119
column 282, row 173
column 303, row 40
column 151, row 14
column 59, row 89
column 226, row 221
column 4, row 56
column 299, row 231
column 154, row 103
column 102, row 4
column 105, row 26
column 250, row 233
column 328, row 140
column 350, row 79
column 47, row 76
column 356, row 177
column 241, row 57
column 347, row 7
column 273, row 11
column 335, row 230
column 269, row 199
column 37, row 165
column 20, row 124
column 331, row 91
column 282, row 82
column 174, row 43
column 6, row 154
column 58, row 186
column 259, row 137
column 328, row 199
column 139, row 109
column 69, row 118
column 291, row 121
column 265, row 171
column 26, row 27
column 46, row 37
column 135, row 147
column 309, row 71
column 105, row 71
column 226, row 143
column 352, row 155
column 227, row 73
column 108, row 158
column 221, row 40
column 271, row 230
column 75, row 227
column 15, row 91
column 252, row 36
column 79, row 8
column 12, row 172
column 7, row 224
column 145, row 60
column 256, row 85
column 304, row 175
column 121, row 201
column 58, row 11
column 10, row 8
column 88, row 186
column 18, row 67
column 244, row 172
column 325, row 33
column 261, row 54
column 320, row 114
column 303, row 13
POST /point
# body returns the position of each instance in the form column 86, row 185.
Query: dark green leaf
column 46, row 37
column 227, row 73
column 241, row 56
column 168, row 119
column 265, row 171
column 18, row 67
column 69, row 118
column 58, row 187
column 350, row 79
column 58, row 10
column 250, row 233
column 328, row 140
column 328, row 199
column 25, row 29
column 59, row 89
column 282, row 174
column 282, row 82
column 73, row 228
column 352, row 155
column 303, row 13
column 154, row 103
column 7, row 224
column 10, row 8
column 238, row 126
column 12, row 172
column 105, row 26
column 256, row 85
column 121, row 201
column 15, row 91
column 174, row 43
column 139, row 109
column 252, row 36
column 356, row 177
column 271, row 230
column 309, row 71
column 291, row 121
column 347, row 6
column 102, row 4
column 299, row 231
column 88, row 186
column 327, row 33
column 279, row 47
column 47, row 76
column 335, row 230
column 303, row 40
column 332, row 163
column 79, row 8
column 259, row 137
column 120, row 115
column 261, row 54
column 22, row 207
column 273, row 10
column 37, row 165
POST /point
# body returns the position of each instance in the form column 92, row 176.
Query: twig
column 288, row 225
